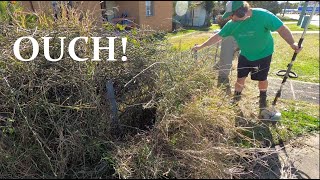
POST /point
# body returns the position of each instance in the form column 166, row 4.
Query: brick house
column 156, row 15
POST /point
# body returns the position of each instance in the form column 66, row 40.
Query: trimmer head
column 272, row 115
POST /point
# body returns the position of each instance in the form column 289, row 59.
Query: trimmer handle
column 299, row 45
column 300, row 42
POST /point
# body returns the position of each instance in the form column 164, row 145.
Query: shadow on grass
column 265, row 162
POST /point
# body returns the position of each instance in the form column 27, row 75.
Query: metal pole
column 302, row 13
column 115, row 126
column 313, row 11
column 31, row 4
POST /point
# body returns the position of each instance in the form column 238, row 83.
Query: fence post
column 115, row 127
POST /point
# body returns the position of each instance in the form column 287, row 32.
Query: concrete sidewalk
column 294, row 90
column 300, row 160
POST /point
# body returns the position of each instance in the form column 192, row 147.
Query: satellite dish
column 181, row 8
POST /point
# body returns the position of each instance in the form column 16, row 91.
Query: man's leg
column 240, row 84
column 223, row 82
column 263, row 86
column 242, row 73
column 262, row 77
column 238, row 89
column 225, row 63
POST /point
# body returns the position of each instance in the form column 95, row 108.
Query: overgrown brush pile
column 56, row 119
column 56, row 116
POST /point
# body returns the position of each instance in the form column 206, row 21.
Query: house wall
column 162, row 19
column 38, row 6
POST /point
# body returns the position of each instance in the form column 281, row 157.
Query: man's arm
column 212, row 40
column 285, row 33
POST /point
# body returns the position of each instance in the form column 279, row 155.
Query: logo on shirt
column 247, row 34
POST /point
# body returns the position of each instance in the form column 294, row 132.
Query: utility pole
column 285, row 8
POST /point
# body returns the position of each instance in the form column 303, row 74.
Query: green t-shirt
column 253, row 35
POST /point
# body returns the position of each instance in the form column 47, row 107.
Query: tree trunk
column 285, row 7
column 192, row 17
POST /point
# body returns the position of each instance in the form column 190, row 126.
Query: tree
column 293, row 5
column 208, row 6
column 272, row 6
column 218, row 8
column 285, row 7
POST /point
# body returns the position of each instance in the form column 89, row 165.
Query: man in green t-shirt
column 251, row 28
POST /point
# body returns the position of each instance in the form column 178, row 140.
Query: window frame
column 149, row 8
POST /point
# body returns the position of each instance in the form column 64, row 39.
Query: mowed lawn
column 306, row 64
column 187, row 41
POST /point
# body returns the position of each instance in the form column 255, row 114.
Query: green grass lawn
column 182, row 43
column 186, row 30
column 285, row 18
column 297, row 119
column 306, row 64
column 294, row 27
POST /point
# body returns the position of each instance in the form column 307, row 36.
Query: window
column 149, row 8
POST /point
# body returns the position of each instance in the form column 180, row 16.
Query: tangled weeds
column 56, row 120
column 58, row 112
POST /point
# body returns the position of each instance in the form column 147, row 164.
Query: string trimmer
column 272, row 114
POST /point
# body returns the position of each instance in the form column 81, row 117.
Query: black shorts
column 259, row 69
